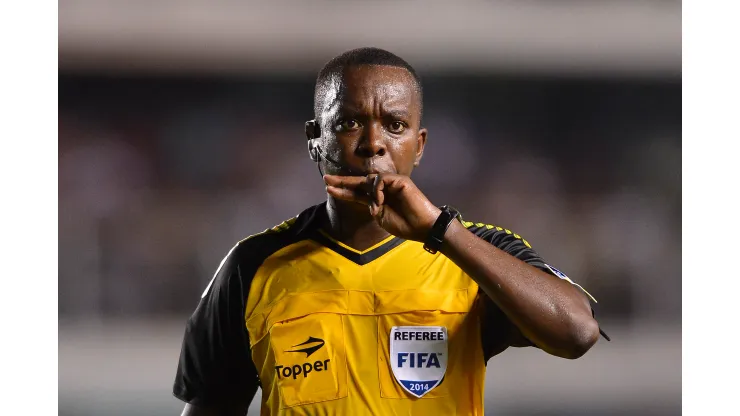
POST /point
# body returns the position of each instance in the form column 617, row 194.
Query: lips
column 375, row 172
column 368, row 169
column 373, row 168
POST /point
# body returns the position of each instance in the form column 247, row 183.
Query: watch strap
column 437, row 234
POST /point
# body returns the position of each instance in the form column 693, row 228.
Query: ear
column 421, row 141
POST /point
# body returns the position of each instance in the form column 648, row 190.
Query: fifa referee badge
column 418, row 357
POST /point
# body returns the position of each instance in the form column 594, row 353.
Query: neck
column 352, row 224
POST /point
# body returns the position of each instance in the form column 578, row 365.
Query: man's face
column 370, row 121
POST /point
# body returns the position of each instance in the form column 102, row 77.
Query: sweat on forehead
column 363, row 82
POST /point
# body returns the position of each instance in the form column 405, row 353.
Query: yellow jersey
column 328, row 330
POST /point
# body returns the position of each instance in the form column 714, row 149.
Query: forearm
column 550, row 312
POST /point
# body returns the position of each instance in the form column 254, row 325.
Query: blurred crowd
column 159, row 177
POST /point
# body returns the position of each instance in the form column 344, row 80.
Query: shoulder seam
column 283, row 226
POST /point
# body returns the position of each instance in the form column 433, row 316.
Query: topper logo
column 310, row 346
column 294, row 371
column 309, row 350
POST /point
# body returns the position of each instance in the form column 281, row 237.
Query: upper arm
column 497, row 331
column 215, row 370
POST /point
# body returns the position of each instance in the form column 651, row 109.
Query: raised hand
column 393, row 200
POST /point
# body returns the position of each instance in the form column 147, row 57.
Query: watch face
column 453, row 212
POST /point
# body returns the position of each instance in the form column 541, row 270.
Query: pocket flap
column 400, row 301
column 301, row 304
column 354, row 302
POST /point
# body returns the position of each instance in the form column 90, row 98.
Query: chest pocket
column 305, row 333
column 423, row 342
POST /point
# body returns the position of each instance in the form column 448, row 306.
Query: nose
column 372, row 142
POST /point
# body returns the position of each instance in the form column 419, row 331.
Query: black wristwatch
column 437, row 233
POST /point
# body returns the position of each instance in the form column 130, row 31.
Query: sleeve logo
column 418, row 357
column 557, row 273
column 562, row 275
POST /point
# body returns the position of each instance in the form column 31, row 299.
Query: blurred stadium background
column 180, row 132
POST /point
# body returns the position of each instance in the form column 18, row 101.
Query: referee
column 377, row 301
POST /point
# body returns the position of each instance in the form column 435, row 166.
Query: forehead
column 372, row 86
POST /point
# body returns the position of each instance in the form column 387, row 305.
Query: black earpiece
column 313, row 131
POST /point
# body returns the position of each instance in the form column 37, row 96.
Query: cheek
column 403, row 153
column 338, row 141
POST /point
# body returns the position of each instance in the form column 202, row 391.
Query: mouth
column 375, row 171
column 367, row 168
column 372, row 167
column 352, row 171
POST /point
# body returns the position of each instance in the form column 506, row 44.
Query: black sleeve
column 509, row 242
column 497, row 331
column 215, row 367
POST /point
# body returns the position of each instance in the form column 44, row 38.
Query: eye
column 396, row 127
column 348, row 125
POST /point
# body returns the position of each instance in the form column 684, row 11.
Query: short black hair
column 357, row 57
